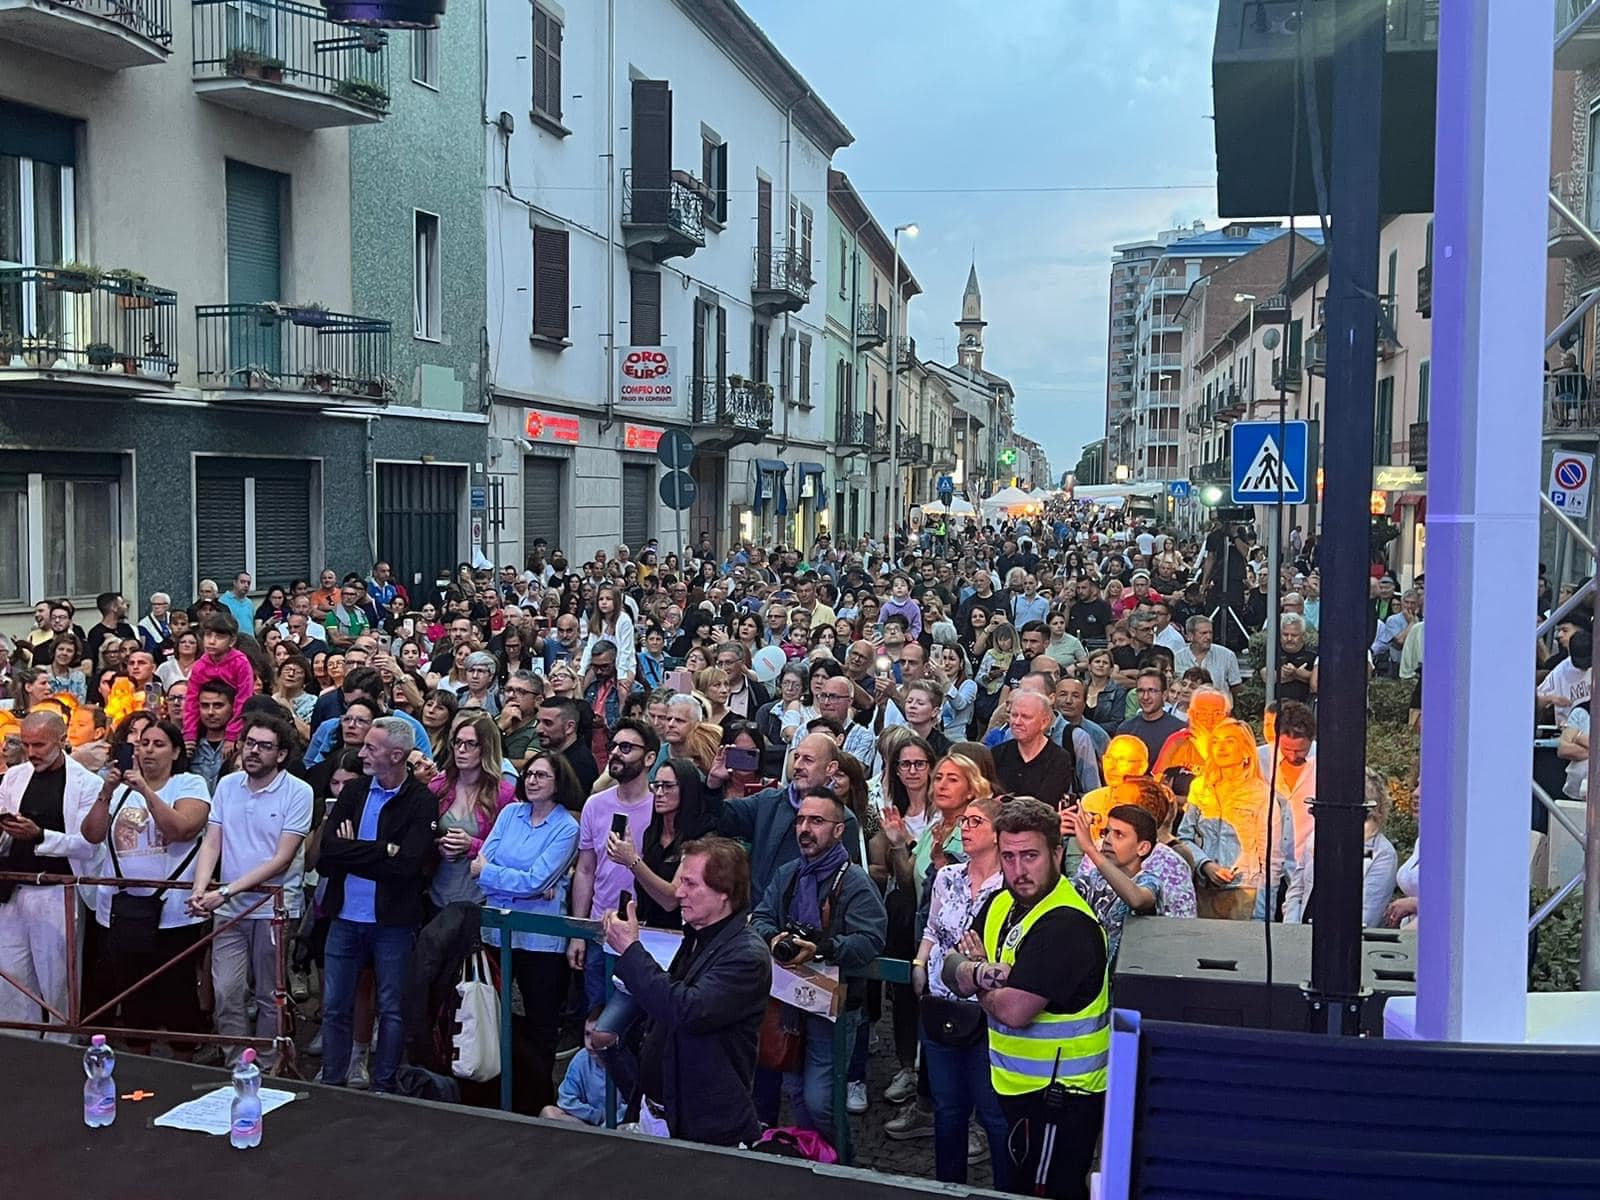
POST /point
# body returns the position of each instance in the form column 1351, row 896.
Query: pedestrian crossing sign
column 1269, row 458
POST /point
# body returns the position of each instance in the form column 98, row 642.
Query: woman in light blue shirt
column 523, row 867
column 956, row 712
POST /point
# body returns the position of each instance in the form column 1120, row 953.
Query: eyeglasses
column 627, row 748
column 268, row 747
column 662, row 785
column 803, row 820
column 973, row 820
column 550, row 775
column 914, row 764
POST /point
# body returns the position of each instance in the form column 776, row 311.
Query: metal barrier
column 887, row 970
column 74, row 1022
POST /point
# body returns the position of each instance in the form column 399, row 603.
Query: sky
column 987, row 122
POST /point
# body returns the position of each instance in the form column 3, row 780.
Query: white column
column 1495, row 77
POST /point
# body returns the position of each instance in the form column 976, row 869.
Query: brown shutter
column 644, row 308
column 546, row 63
column 550, row 283
column 764, row 233
column 722, row 345
column 805, row 370
column 652, row 150
column 722, row 183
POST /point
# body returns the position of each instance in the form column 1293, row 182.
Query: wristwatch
column 224, row 891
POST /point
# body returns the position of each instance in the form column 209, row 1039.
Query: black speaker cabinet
column 1215, row 972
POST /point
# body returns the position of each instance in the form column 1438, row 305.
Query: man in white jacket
column 42, row 805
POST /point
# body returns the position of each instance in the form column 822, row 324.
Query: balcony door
column 255, row 268
column 37, row 219
column 253, row 26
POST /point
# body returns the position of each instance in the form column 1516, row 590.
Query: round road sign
column 1571, row 473
column 677, row 489
column 675, row 450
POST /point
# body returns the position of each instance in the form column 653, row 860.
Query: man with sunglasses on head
column 599, row 882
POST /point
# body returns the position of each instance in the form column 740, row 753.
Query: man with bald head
column 1030, row 764
column 765, row 821
column 1074, row 738
column 42, row 804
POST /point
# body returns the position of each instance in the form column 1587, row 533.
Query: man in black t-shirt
column 1036, row 960
column 1297, row 662
column 1090, row 616
column 1030, row 764
column 1152, row 724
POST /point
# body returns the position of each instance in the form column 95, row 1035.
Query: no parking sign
column 1571, row 474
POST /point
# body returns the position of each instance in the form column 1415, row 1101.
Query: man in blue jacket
column 821, row 908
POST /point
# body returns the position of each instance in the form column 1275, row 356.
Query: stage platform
column 337, row 1143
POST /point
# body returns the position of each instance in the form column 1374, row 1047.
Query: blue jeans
column 810, row 1089
column 959, row 1079
column 351, row 945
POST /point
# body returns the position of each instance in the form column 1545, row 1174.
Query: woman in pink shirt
column 222, row 660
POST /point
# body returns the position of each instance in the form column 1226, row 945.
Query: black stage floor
column 351, row 1145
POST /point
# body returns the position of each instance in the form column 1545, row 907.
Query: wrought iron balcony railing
column 295, row 349
column 57, row 318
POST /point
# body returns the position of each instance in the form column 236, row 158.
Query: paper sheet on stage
column 212, row 1112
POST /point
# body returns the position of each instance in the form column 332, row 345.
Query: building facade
column 176, row 293
column 666, row 194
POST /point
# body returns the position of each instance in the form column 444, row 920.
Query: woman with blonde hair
column 1224, row 831
column 712, row 683
column 471, row 793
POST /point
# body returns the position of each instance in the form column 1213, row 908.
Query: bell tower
column 969, row 345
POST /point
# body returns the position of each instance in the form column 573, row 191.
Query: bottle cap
column 248, row 1057
column 98, row 1039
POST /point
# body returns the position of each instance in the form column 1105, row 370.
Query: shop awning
column 810, row 473
column 769, row 473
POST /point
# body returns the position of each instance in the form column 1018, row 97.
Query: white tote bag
column 477, row 1035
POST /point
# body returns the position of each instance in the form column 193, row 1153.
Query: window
column 804, row 385
column 546, row 66
column 714, row 170
column 1424, row 387
column 60, row 532
column 1383, row 422
column 550, row 290
column 800, row 225
column 37, row 207
column 425, row 57
column 844, row 266
column 644, row 308
column 425, row 286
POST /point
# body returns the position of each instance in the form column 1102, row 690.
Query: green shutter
column 254, row 262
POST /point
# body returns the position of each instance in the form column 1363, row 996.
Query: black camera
column 786, row 949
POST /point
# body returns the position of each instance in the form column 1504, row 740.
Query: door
column 255, row 266
column 764, row 233
column 705, row 515
column 638, row 498
column 419, row 521
column 541, row 501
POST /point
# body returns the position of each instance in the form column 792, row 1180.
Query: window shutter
column 652, row 150
column 804, row 386
column 644, row 309
column 722, row 346
column 541, row 500
column 550, row 278
column 546, row 63
column 219, row 526
column 638, row 497
column 722, row 183
column 283, row 527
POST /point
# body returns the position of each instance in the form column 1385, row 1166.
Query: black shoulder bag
column 135, row 920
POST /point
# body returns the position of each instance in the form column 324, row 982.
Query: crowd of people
column 983, row 760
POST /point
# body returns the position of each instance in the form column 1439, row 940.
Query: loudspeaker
column 1255, row 97
column 1215, row 972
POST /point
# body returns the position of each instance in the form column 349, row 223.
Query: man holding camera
column 820, row 908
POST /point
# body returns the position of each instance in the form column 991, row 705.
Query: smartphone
column 125, row 757
column 619, row 824
column 409, row 626
column 681, row 680
column 625, row 899
column 740, row 759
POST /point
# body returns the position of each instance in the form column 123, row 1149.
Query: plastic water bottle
column 100, row 1089
column 245, row 1128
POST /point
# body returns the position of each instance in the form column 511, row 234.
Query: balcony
column 109, row 34
column 1563, row 240
column 1163, row 362
column 286, row 62
column 1316, row 352
column 781, row 281
column 905, row 349
column 908, row 448
column 1285, row 377
column 1417, row 446
column 72, row 332
column 1571, row 409
column 942, row 457
column 856, row 430
column 1217, row 470
column 302, row 356
column 1425, row 290
column 731, row 412
column 872, row 326
column 1582, row 49
column 658, row 225
column 1173, row 283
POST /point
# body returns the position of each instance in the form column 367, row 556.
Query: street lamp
column 1243, row 298
column 909, row 230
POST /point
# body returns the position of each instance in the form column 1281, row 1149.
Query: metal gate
column 638, row 498
column 541, row 502
column 419, row 521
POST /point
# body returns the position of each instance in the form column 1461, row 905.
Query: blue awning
column 811, row 473
column 769, row 473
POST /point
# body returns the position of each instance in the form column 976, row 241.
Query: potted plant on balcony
column 130, row 364
column 252, row 64
column 11, row 345
column 100, row 355
column 764, row 392
column 311, row 316
column 78, row 278
column 269, row 313
column 362, row 92
column 735, row 382
column 129, row 286
column 319, row 380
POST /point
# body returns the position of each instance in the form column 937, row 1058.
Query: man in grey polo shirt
column 260, row 817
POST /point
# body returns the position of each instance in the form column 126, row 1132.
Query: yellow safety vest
column 1023, row 1060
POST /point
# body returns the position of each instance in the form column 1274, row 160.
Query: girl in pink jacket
column 218, row 634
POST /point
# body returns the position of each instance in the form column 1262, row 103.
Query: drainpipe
column 788, row 193
column 611, row 217
column 368, row 455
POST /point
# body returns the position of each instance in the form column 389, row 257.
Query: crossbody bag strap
column 111, row 845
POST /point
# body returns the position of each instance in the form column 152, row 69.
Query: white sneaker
column 977, row 1144
column 902, row 1087
column 914, row 1121
column 856, row 1097
column 358, row 1078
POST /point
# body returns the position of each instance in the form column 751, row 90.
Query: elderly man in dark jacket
column 704, row 1012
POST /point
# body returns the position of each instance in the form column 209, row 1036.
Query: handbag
column 780, row 1045
column 135, row 920
column 476, row 1042
column 958, row 1024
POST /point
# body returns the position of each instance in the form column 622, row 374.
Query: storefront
column 764, row 522
column 810, row 514
column 1400, row 496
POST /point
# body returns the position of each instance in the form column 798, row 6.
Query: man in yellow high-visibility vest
column 1036, row 960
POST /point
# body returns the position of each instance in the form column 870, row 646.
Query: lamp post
column 1275, row 514
column 894, row 390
